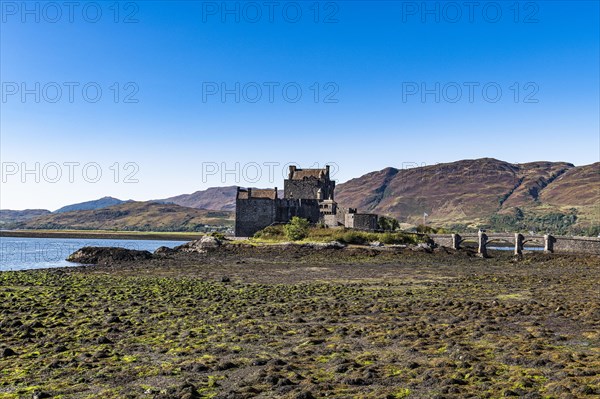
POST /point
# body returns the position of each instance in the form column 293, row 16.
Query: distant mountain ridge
column 103, row 202
column 9, row 218
column 133, row 216
column 215, row 198
column 467, row 194
column 482, row 193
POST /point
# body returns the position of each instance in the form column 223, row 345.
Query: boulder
column 163, row 251
column 106, row 255
column 423, row 247
column 7, row 352
column 325, row 245
column 203, row 245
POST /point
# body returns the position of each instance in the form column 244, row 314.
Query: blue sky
column 386, row 83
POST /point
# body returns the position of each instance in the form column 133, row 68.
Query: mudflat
column 298, row 322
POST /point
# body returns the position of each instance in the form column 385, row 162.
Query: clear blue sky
column 369, row 60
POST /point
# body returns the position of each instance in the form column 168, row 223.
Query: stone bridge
column 550, row 243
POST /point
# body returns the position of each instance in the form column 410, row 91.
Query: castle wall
column 253, row 214
column 331, row 220
column 361, row 221
column 308, row 188
column 306, row 209
column 340, row 216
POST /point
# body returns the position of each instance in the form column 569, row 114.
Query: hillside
column 468, row 194
column 482, row 193
column 215, row 198
column 133, row 216
column 9, row 218
column 91, row 205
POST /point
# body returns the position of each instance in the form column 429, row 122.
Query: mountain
column 9, row 218
column 215, row 198
column 91, row 205
column 484, row 192
column 133, row 216
column 469, row 194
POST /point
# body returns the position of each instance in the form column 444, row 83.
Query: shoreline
column 351, row 316
column 98, row 234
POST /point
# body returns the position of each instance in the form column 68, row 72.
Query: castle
column 307, row 193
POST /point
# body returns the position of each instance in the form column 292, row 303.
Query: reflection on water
column 513, row 248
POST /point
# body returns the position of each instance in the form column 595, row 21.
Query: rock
column 413, row 365
column 101, row 354
column 7, row 352
column 422, row 247
column 163, row 251
column 324, row 245
column 376, row 244
column 106, row 255
column 203, row 245
column 196, row 367
column 103, row 340
column 226, row 365
column 454, row 381
column 305, row 395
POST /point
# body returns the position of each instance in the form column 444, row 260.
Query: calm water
column 513, row 248
column 39, row 253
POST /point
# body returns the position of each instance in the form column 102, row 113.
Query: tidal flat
column 298, row 322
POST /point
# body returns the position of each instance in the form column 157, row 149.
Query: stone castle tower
column 307, row 193
column 309, row 184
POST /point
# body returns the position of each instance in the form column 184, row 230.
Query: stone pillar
column 549, row 243
column 456, row 241
column 519, row 244
column 482, row 250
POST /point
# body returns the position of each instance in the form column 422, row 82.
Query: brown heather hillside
column 133, row 216
column 214, row 198
column 8, row 216
column 544, row 196
column 217, row 198
column 485, row 192
column 578, row 187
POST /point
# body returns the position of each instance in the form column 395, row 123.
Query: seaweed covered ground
column 297, row 322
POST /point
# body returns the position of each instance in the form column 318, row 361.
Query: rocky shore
column 228, row 320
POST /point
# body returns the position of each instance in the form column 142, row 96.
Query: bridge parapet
column 552, row 244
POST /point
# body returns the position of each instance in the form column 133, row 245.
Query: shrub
column 388, row 223
column 297, row 229
column 270, row 233
column 354, row 237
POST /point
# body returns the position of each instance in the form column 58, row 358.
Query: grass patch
column 277, row 233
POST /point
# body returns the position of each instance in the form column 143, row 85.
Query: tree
column 387, row 223
column 296, row 229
